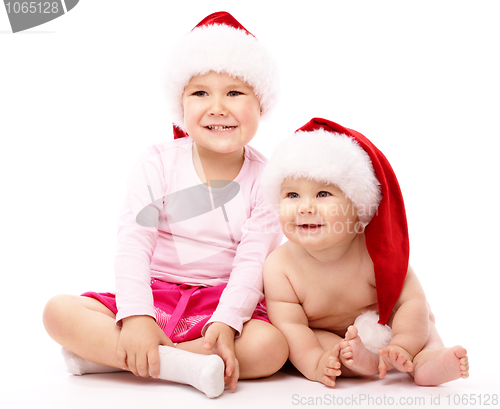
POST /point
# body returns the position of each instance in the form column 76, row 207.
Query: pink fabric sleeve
column 136, row 243
column 261, row 235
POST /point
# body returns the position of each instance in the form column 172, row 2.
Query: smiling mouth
column 310, row 226
column 220, row 128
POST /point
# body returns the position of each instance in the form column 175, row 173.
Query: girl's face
column 221, row 113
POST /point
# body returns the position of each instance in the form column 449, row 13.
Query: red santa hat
column 325, row 151
column 221, row 44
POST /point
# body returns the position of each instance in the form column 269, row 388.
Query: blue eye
column 323, row 194
column 292, row 195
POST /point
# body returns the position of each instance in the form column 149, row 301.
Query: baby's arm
column 410, row 327
column 286, row 313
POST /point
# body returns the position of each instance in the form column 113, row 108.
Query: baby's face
column 221, row 113
column 316, row 215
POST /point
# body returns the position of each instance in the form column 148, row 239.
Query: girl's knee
column 54, row 311
column 58, row 306
column 280, row 344
column 281, row 348
column 61, row 311
column 269, row 345
column 274, row 349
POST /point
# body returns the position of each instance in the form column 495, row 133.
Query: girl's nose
column 217, row 107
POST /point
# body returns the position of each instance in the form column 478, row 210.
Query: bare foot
column 438, row 366
column 393, row 356
column 329, row 368
column 355, row 356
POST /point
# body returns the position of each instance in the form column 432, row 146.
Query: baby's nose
column 306, row 206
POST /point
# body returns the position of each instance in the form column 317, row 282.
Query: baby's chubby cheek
column 287, row 221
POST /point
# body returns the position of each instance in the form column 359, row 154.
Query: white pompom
column 373, row 334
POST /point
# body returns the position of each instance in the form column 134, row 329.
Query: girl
column 193, row 234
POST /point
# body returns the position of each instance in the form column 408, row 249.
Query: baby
column 346, row 259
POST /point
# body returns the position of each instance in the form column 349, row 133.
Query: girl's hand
column 220, row 337
column 138, row 346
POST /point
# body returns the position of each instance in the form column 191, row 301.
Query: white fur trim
column 373, row 334
column 220, row 48
column 327, row 157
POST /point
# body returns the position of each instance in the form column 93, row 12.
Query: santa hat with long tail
column 325, row 151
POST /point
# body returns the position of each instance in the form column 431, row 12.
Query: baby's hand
column 138, row 346
column 329, row 366
column 394, row 356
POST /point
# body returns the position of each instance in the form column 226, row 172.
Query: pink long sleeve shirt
column 174, row 228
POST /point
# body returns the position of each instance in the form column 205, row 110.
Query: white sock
column 204, row 372
column 80, row 366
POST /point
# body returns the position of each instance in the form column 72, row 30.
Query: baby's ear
column 359, row 227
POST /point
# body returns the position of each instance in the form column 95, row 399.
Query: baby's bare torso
column 332, row 295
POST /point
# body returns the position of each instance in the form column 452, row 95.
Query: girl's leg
column 83, row 326
column 87, row 328
column 261, row 350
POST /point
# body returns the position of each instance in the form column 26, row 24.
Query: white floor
column 34, row 375
column 43, row 383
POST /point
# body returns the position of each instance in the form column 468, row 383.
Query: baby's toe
column 460, row 352
column 351, row 333
column 333, row 363
column 332, row 372
column 464, row 362
column 393, row 354
column 408, row 366
column 401, row 359
column 343, row 345
column 464, row 369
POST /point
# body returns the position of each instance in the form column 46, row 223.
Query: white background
column 83, row 95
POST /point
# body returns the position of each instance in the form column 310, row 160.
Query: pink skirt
column 181, row 310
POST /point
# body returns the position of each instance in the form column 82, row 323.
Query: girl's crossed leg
column 87, row 328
